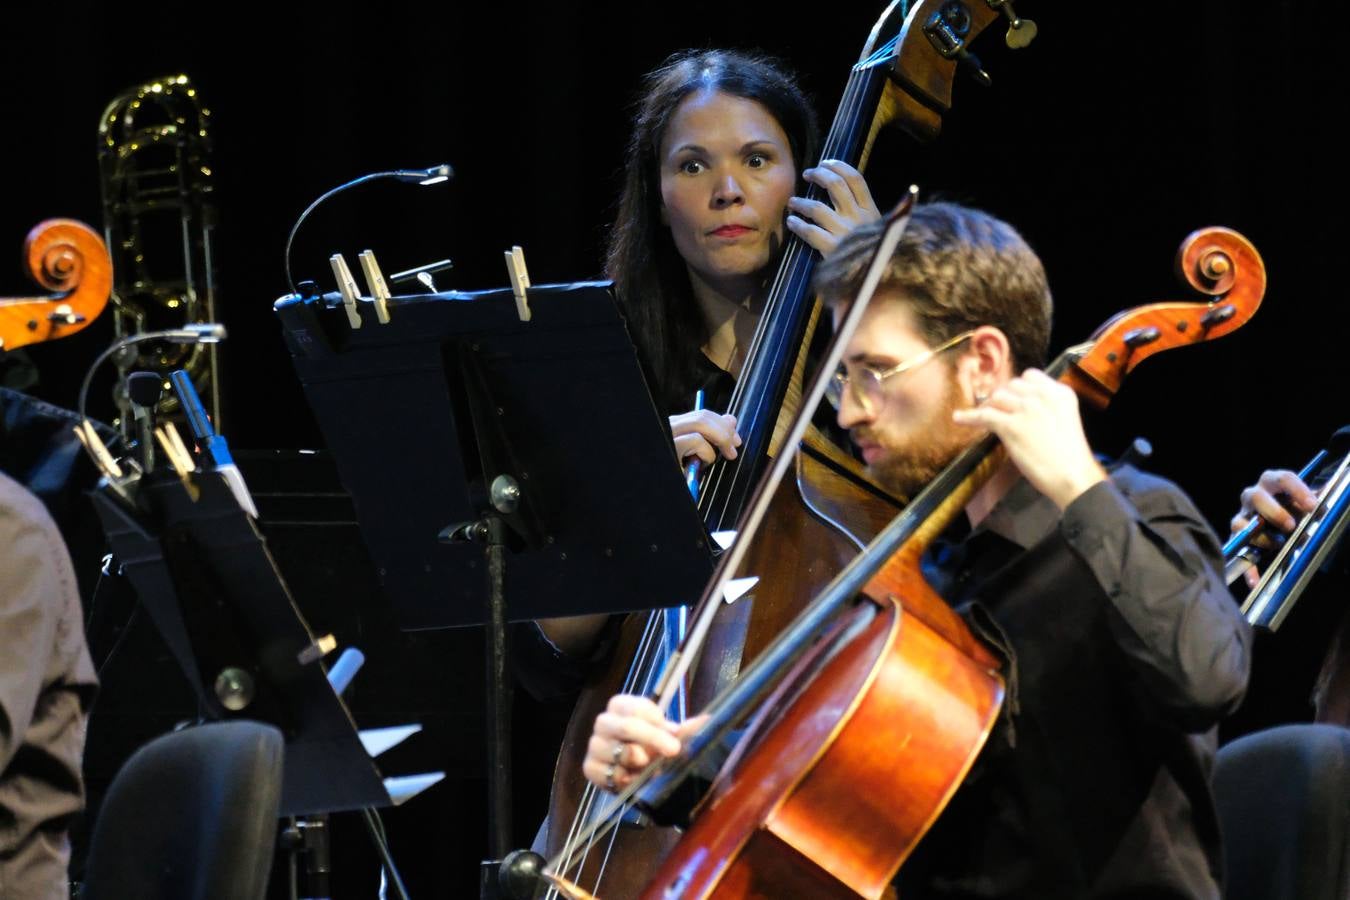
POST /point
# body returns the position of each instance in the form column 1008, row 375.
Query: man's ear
column 986, row 364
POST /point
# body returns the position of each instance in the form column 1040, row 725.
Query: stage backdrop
column 1120, row 130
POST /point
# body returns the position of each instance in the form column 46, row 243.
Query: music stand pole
column 492, row 531
column 499, row 693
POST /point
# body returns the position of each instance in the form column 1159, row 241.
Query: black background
column 1120, row 130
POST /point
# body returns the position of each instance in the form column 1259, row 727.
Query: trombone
column 1306, row 548
column 154, row 161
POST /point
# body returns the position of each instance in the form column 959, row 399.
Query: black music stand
column 203, row 573
column 458, row 422
column 422, row 414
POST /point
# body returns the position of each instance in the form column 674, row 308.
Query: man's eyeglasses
column 866, row 382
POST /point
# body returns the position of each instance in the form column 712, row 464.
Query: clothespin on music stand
column 347, row 287
column 379, row 292
column 520, row 281
column 118, row 480
column 103, row 458
column 316, row 650
column 179, row 457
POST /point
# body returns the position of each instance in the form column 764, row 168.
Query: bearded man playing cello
column 1100, row 591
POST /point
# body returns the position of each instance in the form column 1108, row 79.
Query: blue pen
column 212, row 446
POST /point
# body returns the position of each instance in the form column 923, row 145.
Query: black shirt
column 1122, row 649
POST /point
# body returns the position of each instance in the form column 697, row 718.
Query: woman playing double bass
column 1099, row 592
column 721, row 141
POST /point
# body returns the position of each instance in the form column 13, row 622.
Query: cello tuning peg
column 64, row 315
column 1217, row 315
column 1021, row 32
column 1141, row 337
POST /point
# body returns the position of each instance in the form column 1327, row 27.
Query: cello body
column 816, row 524
column 902, row 710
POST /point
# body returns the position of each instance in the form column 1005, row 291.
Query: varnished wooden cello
column 69, row 258
column 830, row 510
column 851, row 759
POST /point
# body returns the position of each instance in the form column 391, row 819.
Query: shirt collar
column 1024, row 516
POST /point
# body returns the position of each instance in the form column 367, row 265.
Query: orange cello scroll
column 837, row 778
column 1215, row 261
column 69, row 258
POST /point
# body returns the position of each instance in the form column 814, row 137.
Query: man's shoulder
column 20, row 505
column 1151, row 493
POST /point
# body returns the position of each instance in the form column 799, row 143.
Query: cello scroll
column 1217, row 262
column 70, row 259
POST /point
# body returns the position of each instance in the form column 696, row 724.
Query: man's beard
column 907, row 470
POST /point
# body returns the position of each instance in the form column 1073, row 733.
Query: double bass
column 830, row 509
column 865, row 714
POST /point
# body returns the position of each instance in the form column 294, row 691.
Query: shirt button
column 1072, row 532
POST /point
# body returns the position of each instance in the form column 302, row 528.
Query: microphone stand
column 433, row 175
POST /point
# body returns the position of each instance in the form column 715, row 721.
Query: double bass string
column 843, row 134
column 649, row 658
column 645, row 659
column 839, row 138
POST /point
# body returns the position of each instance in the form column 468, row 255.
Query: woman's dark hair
column 649, row 274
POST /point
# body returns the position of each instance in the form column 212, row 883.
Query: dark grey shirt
column 1123, row 649
column 46, row 686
